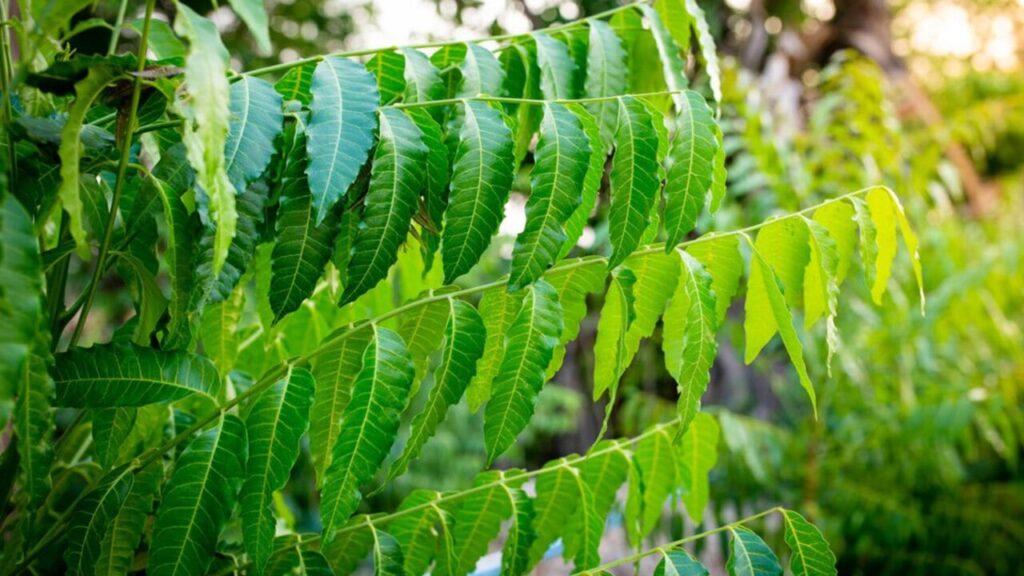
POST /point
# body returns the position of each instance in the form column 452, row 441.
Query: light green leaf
column 212, row 287
column 590, row 525
column 656, row 277
column 420, row 329
column 379, row 395
column 810, row 553
column 672, row 64
column 515, row 558
column 117, row 550
column 478, row 519
column 574, row 282
column 750, row 556
column 481, row 73
column 558, row 499
column 679, row 563
column 911, row 242
column 256, row 121
column 611, row 353
column 708, row 52
column 591, row 181
column 655, row 457
column 837, row 218
column 91, row 519
column 697, row 453
column 688, row 340
column 868, row 248
column 498, row 309
column 464, row 337
column 722, row 260
column 399, row 167
column 218, row 329
column 70, row 151
column 634, row 178
column 603, row 471
column 821, row 291
column 766, row 312
column 113, row 375
column 886, row 213
column 341, row 128
column 690, row 170
column 207, row 114
column 785, row 245
column 198, row 500
column 561, row 163
column 606, row 76
column 387, row 554
column 335, row 370
column 274, row 425
column 556, row 67
column 389, row 70
column 482, row 175
column 179, row 264
column 676, row 19
column 297, row 83
column 254, row 15
column 529, row 345
column 415, row 530
column 719, row 174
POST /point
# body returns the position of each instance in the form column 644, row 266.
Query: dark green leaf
column 91, row 518
column 634, row 178
column 690, row 167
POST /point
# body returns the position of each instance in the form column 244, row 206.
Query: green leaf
column 481, row 73
column 556, row 67
column 697, row 453
column 655, row 458
column 198, row 500
column 591, row 181
column 420, row 329
column 422, row 79
column 606, row 76
column 868, row 247
column 113, row 375
column 810, row 553
column 275, row 424
column 561, row 163
column 482, row 175
column 634, row 178
column 529, row 345
column 351, row 546
column 217, row 287
column 574, row 282
column 719, row 174
column 218, row 329
column 821, row 291
column 254, row 15
column 341, row 128
column 688, row 340
column 766, row 312
column 603, row 471
column 179, row 264
column 522, row 80
column 676, row 19
column 837, row 218
column 679, row 563
column 708, row 52
column 910, row 241
column 71, row 147
column 303, row 246
column 672, row 63
column 389, row 70
column 297, row 83
column 656, row 277
column 478, row 519
column 117, row 550
column 207, row 114
column 256, row 121
column 498, row 309
column 368, row 429
column 750, row 556
column 464, row 337
column 611, row 353
column 415, row 530
column 399, row 167
column 120, row 433
column 302, row 562
column 335, row 371
column 515, row 554
column 785, row 245
column 558, row 499
column 91, row 518
column 722, row 260
column 884, row 219
column 387, row 554
column 690, row 169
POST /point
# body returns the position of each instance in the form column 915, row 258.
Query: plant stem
column 285, row 66
column 115, row 33
column 122, row 170
column 5, row 86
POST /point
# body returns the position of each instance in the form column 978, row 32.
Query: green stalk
column 115, row 33
column 122, row 171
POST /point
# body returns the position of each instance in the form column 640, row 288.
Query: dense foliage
column 310, row 267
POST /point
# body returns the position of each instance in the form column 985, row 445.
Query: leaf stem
column 122, row 172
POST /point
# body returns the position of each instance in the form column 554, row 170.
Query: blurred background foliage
column 913, row 463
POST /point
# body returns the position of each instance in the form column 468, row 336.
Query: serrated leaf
column 179, row 265
column 676, row 19
column 655, row 458
column 522, row 80
column 690, row 171
column 883, row 217
column 590, row 525
column 603, row 471
column 688, row 339
column 482, row 175
column 766, row 312
column 256, row 121
column 810, row 553
column 708, row 52
column 672, row 64
column 350, row 547
column 121, row 433
column 478, row 519
column 719, row 174
column 529, row 345
column 112, row 375
column 697, row 453
column 657, row 275
column 420, row 329
column 573, row 282
column 91, row 519
column 561, row 162
column 821, row 291
column 558, row 499
column 868, row 247
column 218, row 330
column 634, row 178
column 750, row 556
column 606, row 76
column 591, row 181
column 481, row 73
column 296, row 84
column 303, row 247
column 198, row 500
column 399, row 167
column 299, row 562
column 498, row 309
column 722, row 260
column 611, row 353
column 434, row 192
column 679, row 563
column 379, row 395
column 556, row 67
column 837, row 218
column 341, row 127
column 117, row 550
column 207, row 116
column 212, row 287
column 389, row 70
column 785, row 245
column 254, row 15
column 911, row 242
column 464, row 337
column 515, row 554
column 274, row 425
column 415, row 530
column 422, row 79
